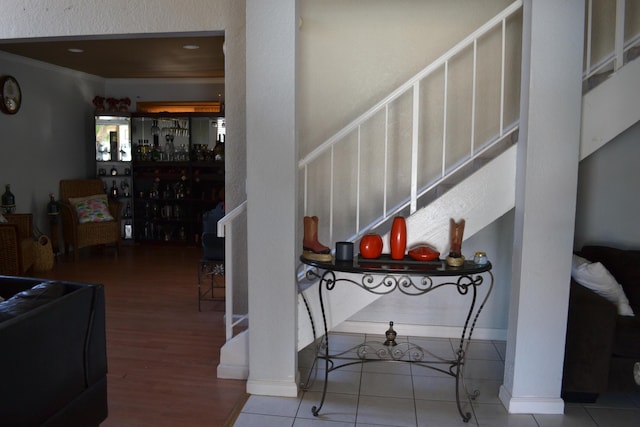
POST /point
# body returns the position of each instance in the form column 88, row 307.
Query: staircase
column 464, row 179
column 479, row 186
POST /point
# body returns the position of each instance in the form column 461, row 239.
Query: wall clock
column 11, row 95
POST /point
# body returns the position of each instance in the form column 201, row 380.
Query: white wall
column 355, row 52
column 51, row 137
column 350, row 58
column 607, row 203
column 440, row 313
column 158, row 90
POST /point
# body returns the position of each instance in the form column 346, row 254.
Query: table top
column 385, row 265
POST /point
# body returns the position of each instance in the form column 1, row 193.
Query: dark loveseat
column 52, row 353
column 602, row 346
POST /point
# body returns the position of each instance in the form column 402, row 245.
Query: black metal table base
column 467, row 281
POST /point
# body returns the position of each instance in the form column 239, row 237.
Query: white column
column 546, row 182
column 271, row 196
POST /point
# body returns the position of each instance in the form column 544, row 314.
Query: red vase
column 398, row 238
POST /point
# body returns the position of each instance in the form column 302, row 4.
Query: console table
column 384, row 275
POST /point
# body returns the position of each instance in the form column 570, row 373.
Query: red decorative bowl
column 423, row 253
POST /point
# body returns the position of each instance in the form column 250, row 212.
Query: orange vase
column 398, row 238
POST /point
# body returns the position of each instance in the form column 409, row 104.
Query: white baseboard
column 273, row 388
column 234, row 358
column 354, row 327
column 232, row 372
column 530, row 405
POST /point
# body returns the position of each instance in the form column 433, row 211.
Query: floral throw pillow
column 92, row 208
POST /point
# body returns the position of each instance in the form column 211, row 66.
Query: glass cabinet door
column 113, row 139
column 113, row 165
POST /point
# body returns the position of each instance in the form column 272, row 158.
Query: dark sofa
column 53, row 353
column 602, row 346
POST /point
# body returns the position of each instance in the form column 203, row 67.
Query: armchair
column 17, row 251
column 91, row 233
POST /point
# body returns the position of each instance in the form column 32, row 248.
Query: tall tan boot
column 312, row 248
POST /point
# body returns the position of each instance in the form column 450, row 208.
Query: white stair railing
column 615, row 56
column 618, row 46
column 225, row 229
column 412, row 88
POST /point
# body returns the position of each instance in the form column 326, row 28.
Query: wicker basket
column 44, row 254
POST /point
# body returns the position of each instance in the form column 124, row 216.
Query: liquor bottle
column 126, row 191
column 52, row 206
column 218, row 150
column 113, row 140
column 8, row 201
column 127, row 210
column 114, row 190
column 128, row 230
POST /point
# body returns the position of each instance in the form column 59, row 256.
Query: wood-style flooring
column 162, row 353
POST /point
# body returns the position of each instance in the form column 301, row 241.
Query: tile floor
column 399, row 394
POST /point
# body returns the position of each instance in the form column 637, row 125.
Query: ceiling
column 127, row 58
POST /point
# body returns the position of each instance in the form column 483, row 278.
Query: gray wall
column 50, row 138
column 608, row 203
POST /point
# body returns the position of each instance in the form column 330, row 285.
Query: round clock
column 11, row 95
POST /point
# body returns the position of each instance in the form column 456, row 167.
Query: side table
column 384, row 275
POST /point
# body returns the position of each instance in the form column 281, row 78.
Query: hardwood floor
column 162, row 353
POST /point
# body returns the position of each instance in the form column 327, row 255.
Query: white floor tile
column 336, row 407
column 420, row 370
column 441, row 414
column 307, row 422
column 387, row 368
column 484, row 369
column 271, row 405
column 488, row 390
column 440, row 346
column 435, row 388
column 635, row 398
column 613, row 400
column 390, row 394
column 501, row 346
column 496, row 416
column 615, row 417
column 253, row 420
column 339, row 381
column 386, row 385
column 574, row 416
column 387, row 411
column 341, row 342
column 483, row 350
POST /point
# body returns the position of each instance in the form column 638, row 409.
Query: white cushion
column 595, row 276
column 3, row 219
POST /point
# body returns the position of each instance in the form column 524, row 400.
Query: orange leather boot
column 312, row 248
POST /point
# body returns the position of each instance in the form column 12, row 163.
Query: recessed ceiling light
column 191, row 46
column 75, row 50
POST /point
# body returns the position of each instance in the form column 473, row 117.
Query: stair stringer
column 610, row 108
column 480, row 199
column 234, row 358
